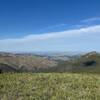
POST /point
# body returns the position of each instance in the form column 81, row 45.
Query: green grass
column 49, row 86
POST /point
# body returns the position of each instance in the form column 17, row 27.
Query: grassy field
column 49, row 86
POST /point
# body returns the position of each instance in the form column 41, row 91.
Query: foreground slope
column 51, row 86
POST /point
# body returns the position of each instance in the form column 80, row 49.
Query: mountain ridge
column 37, row 63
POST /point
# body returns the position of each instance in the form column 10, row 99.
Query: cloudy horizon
column 42, row 27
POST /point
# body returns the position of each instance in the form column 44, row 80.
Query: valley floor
column 49, row 86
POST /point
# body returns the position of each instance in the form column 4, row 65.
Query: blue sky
column 49, row 25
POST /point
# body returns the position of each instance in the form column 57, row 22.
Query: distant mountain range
column 55, row 62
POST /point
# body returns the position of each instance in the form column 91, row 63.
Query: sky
column 49, row 25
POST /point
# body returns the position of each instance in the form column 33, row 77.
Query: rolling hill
column 10, row 62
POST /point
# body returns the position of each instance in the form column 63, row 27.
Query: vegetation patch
column 49, row 86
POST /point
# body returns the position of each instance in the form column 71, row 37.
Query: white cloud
column 41, row 41
column 91, row 19
column 68, row 33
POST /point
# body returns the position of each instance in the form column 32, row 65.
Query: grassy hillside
column 50, row 86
